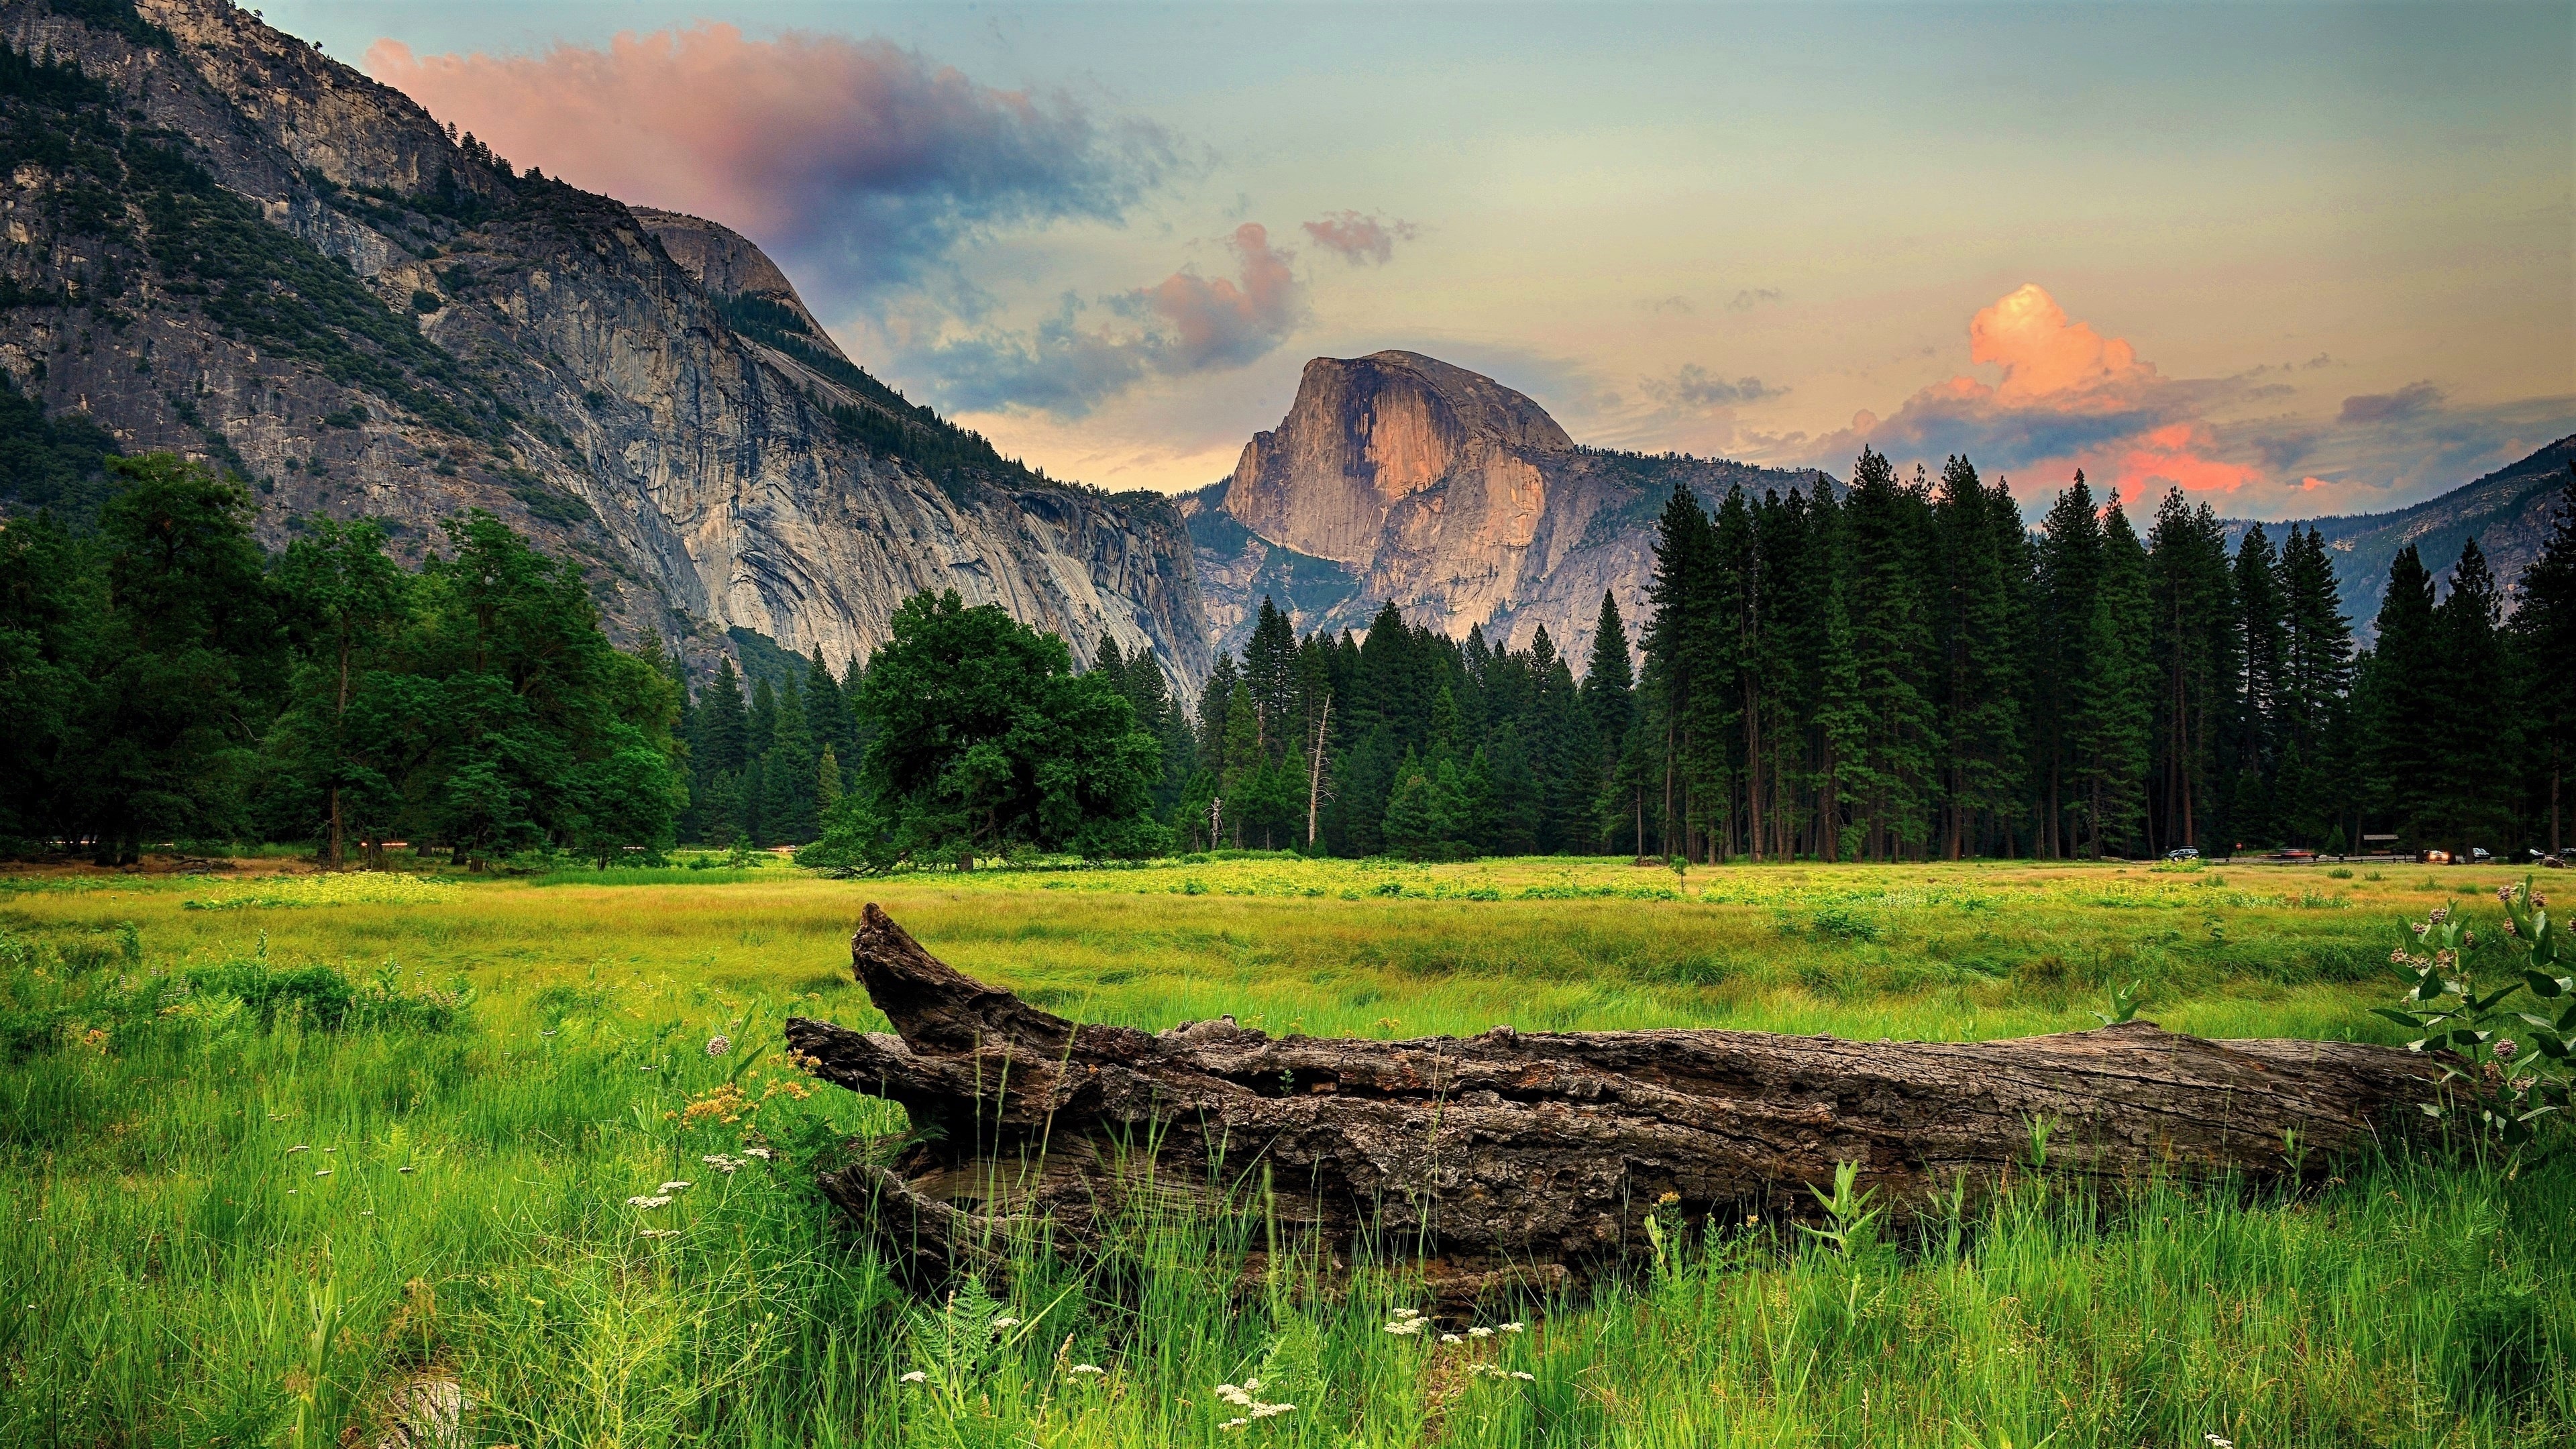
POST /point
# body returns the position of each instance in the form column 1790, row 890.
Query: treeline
column 1907, row 672
column 162, row 678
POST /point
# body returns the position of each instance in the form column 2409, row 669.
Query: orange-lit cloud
column 2046, row 355
column 863, row 160
column 1220, row 321
column 2174, row 456
column 2068, row 397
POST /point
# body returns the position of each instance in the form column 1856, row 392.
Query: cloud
column 2067, row 397
column 1361, row 240
column 1676, row 304
column 1691, row 388
column 1752, row 297
column 866, row 163
column 2409, row 401
column 1186, row 323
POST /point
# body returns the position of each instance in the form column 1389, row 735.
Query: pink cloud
column 2046, row 355
column 2173, row 456
column 872, row 158
column 1361, row 240
column 2067, row 397
column 1217, row 320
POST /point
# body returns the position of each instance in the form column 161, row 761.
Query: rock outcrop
column 1398, row 477
column 220, row 241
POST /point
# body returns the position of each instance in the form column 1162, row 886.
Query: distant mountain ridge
column 1400, row 478
column 219, row 241
column 2509, row 511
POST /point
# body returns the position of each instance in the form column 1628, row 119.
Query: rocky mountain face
column 219, row 241
column 1398, row 477
column 2510, row 513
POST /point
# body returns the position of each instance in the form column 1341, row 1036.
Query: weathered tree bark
column 1529, row 1159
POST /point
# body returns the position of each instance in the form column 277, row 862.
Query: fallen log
column 1530, row 1159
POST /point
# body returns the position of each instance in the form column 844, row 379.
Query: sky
column 2295, row 258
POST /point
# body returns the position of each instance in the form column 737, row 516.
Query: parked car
column 2477, row 856
column 2434, row 857
column 2182, row 852
column 2295, row 856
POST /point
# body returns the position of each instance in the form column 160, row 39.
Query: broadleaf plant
column 2511, row 1071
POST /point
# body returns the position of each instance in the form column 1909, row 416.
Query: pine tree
column 1980, row 677
column 1214, row 701
column 1239, row 776
column 1680, row 676
column 2543, row 640
column 2262, row 646
column 2069, row 584
column 789, row 813
column 762, row 731
column 2118, row 703
column 2193, row 640
column 2315, row 789
column 1892, row 647
column 1842, row 714
column 1609, row 695
column 2479, row 744
column 2408, row 699
column 1409, row 828
column 827, row 711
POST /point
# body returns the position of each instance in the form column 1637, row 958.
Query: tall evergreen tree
column 1892, row 649
column 1980, row 678
column 2479, row 746
column 2319, row 756
column 2408, row 699
column 2543, row 640
column 2193, row 638
column 2262, row 648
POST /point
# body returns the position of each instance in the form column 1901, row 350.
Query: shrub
column 1847, row 924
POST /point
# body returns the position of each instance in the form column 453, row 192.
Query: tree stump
column 1530, row 1160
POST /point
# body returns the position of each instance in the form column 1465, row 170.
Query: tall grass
column 173, row 1270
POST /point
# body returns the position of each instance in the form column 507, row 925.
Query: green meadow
column 305, row 1160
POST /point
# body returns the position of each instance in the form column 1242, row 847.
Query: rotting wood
column 1530, row 1159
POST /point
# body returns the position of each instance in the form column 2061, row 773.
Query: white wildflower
column 1264, row 1411
column 659, row 1233
column 1515, row 1326
column 719, row 1044
column 914, row 1377
column 1451, row 1338
column 1403, row 1326
column 1086, row 1368
column 763, row 1153
column 1235, row 1395
column 1527, row 1378
column 1480, row 1332
column 674, row 1187
column 650, row 1201
column 1234, row 1423
column 722, row 1163
column 2217, row 1443
column 1001, row 1323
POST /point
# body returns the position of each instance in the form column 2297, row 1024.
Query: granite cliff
column 1398, row 477
column 220, row 241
